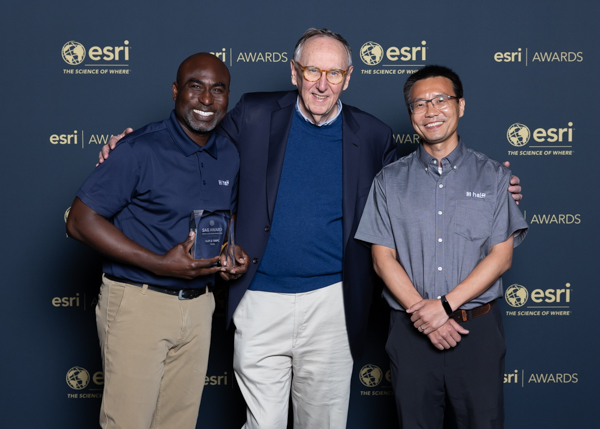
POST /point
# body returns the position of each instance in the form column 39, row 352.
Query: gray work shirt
column 442, row 224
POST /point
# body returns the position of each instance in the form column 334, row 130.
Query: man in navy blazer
column 367, row 145
column 307, row 164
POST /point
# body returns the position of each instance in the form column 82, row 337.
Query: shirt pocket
column 473, row 220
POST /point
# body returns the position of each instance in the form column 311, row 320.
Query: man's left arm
column 429, row 314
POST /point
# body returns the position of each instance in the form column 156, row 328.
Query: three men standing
column 307, row 162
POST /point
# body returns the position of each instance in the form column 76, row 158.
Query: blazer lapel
column 281, row 123
column 350, row 167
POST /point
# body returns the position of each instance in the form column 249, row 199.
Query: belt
column 181, row 293
column 464, row 315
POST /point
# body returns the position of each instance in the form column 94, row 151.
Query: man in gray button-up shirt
column 442, row 227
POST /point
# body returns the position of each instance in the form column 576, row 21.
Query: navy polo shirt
column 151, row 183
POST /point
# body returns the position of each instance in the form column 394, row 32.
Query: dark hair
column 433, row 71
column 323, row 32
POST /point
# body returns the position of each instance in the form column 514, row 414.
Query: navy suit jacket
column 259, row 126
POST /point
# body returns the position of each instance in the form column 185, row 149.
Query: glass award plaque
column 210, row 228
column 231, row 255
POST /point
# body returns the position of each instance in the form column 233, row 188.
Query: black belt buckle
column 191, row 293
column 194, row 293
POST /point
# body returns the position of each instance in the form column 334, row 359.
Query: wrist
column 446, row 305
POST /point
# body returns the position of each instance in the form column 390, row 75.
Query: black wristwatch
column 446, row 305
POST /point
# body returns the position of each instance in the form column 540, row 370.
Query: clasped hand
column 430, row 318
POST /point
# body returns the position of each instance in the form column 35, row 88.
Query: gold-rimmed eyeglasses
column 313, row 74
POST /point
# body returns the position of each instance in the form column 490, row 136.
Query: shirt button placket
column 201, row 170
column 439, row 233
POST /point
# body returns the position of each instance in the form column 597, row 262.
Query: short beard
column 202, row 127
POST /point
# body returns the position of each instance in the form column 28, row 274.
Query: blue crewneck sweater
column 305, row 246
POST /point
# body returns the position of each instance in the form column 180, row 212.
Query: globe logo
column 73, row 53
column 516, row 295
column 78, row 378
column 518, row 135
column 371, row 53
column 370, row 375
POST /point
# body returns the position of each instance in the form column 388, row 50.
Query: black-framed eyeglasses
column 440, row 103
column 313, row 74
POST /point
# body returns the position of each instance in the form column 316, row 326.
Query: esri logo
column 540, row 302
column 371, row 53
column 520, row 55
column 78, row 378
column 542, row 141
column 518, row 134
column 516, row 295
column 392, row 60
column 96, row 60
column 73, row 53
column 370, row 375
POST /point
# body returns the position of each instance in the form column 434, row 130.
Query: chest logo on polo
column 475, row 194
column 224, row 182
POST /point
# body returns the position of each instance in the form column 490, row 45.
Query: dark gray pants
column 469, row 378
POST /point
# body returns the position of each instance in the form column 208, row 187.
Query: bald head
column 201, row 94
column 201, row 60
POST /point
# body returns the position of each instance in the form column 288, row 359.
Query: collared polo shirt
column 151, row 183
column 442, row 221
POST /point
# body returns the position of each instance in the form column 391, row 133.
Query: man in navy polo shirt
column 155, row 307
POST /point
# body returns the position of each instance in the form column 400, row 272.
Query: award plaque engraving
column 210, row 228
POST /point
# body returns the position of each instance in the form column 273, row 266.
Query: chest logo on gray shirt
column 476, row 194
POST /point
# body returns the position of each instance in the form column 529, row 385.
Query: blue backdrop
column 528, row 68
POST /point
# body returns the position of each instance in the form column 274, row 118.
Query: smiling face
column 437, row 127
column 201, row 95
column 318, row 99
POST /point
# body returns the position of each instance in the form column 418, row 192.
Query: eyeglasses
column 313, row 74
column 440, row 103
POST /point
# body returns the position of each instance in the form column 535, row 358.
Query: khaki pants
column 294, row 342
column 155, row 353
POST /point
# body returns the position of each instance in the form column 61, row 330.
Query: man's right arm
column 391, row 272
column 88, row 227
